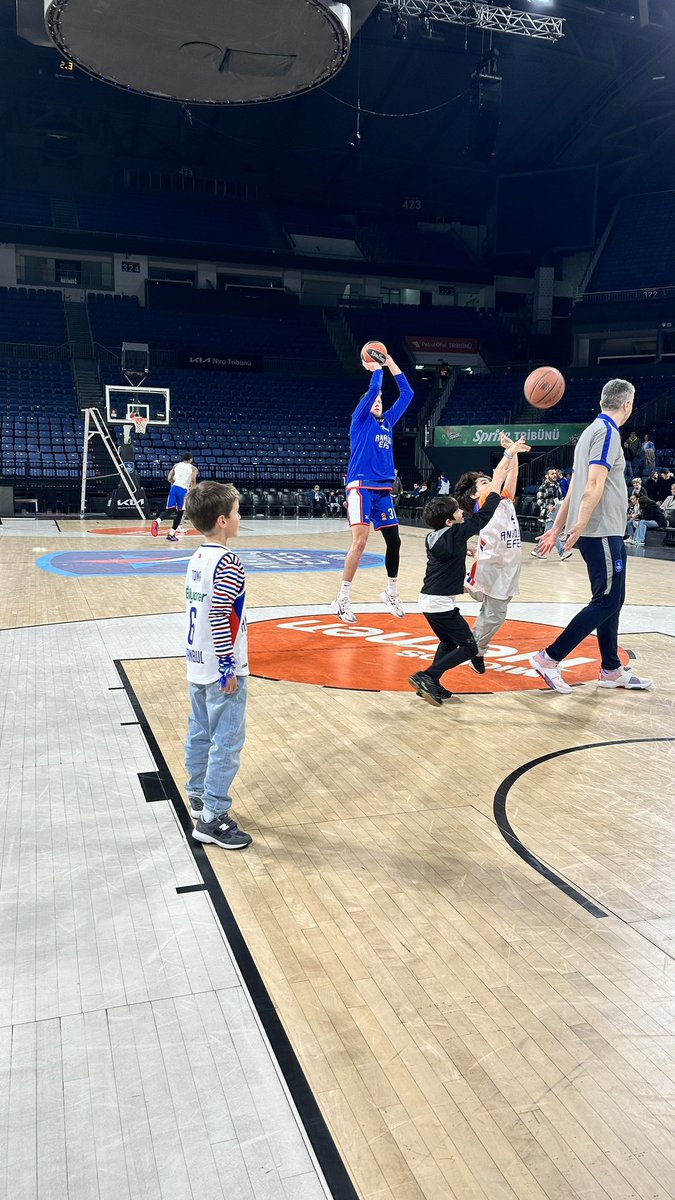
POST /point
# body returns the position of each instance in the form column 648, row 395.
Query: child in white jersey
column 216, row 654
column 494, row 578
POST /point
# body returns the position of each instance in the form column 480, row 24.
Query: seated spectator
column 649, row 516
column 651, row 486
column 668, row 507
column 333, row 504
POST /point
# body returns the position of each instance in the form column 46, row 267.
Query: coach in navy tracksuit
column 370, row 479
column 594, row 516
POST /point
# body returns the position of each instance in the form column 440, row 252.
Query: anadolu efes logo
column 381, row 652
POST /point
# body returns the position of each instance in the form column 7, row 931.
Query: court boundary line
column 309, row 1113
column 499, row 810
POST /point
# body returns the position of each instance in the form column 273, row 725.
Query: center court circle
column 381, row 651
column 83, row 563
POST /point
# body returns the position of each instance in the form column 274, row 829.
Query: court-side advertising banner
column 441, row 345
column 488, row 435
column 220, row 362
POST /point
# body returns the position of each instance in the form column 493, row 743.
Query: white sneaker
column 536, row 554
column 567, row 554
column 394, row 603
column 627, row 679
column 182, row 529
column 552, row 676
column 343, row 609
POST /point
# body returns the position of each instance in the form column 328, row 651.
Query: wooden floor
column 477, row 973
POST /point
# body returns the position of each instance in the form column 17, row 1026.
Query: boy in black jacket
column 444, row 578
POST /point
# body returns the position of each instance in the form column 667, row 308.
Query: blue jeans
column 641, row 531
column 216, row 733
column 560, row 544
column 605, row 559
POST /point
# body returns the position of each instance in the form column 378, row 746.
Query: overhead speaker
column 485, row 107
column 204, row 51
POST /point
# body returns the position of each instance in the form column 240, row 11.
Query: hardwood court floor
column 470, row 1026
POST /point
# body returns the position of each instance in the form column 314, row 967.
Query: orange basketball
column 374, row 352
column 544, row 387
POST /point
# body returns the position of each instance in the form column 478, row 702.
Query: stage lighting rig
column 475, row 15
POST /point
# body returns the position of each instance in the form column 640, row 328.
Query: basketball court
column 444, row 968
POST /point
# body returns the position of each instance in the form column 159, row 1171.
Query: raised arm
column 514, row 449
column 366, row 402
column 405, row 392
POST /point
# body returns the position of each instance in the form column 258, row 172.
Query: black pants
column 456, row 643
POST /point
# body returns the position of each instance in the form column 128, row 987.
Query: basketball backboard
column 155, row 403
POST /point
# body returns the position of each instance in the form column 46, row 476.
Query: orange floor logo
column 381, row 652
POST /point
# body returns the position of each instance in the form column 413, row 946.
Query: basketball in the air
column 374, row 352
column 544, row 387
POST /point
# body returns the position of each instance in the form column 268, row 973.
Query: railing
column 627, row 295
column 32, row 350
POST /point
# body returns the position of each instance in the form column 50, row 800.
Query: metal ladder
column 94, row 424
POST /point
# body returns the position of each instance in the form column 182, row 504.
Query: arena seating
column 41, row 429
column 639, row 252
column 290, row 335
column 405, row 244
column 251, row 426
column 32, row 315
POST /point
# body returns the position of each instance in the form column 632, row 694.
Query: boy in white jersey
column 494, row 578
column 182, row 476
column 216, row 654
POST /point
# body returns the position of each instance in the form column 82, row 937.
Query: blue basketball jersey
column 372, row 441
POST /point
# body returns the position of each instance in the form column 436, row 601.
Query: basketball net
column 139, row 423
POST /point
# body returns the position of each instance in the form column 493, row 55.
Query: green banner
column 488, row 435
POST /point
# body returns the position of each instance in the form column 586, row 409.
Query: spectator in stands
column 397, row 487
column 565, row 483
column 444, row 375
column 593, row 514
column 665, row 484
column 333, row 504
column 649, row 516
column 443, row 486
column 648, row 454
column 651, row 486
column 317, row 499
column 668, row 507
column 631, row 451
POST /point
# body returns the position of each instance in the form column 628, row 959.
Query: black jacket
column 446, row 551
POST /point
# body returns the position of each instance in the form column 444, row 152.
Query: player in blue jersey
column 370, row 478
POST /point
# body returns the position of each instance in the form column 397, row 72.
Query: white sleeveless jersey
column 182, row 474
column 200, row 651
column 496, row 568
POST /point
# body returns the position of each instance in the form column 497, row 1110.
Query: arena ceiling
column 605, row 94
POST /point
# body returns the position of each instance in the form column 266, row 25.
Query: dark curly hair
column 465, row 489
column 439, row 510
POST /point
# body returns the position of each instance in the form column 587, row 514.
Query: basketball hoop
column 139, row 423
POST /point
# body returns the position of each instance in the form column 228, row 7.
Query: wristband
column 509, row 456
column 226, row 669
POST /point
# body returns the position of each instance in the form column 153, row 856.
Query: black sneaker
column 223, row 832
column 443, row 693
column 196, row 806
column 427, row 688
column 478, row 664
